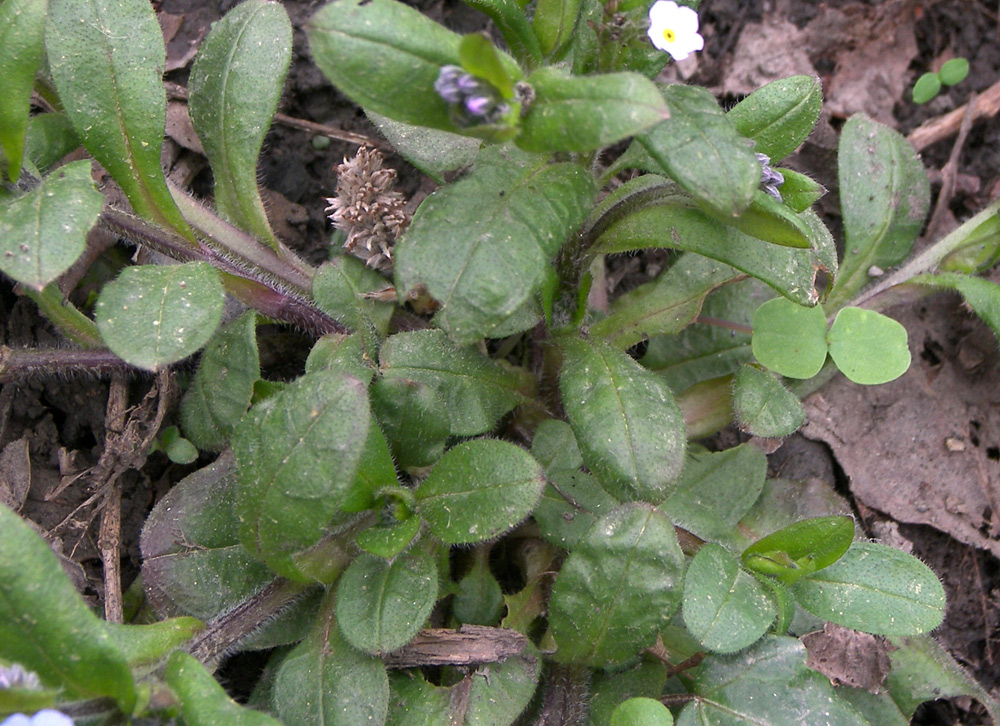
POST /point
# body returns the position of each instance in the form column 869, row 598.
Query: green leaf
column 326, row 681
column 436, row 153
column 927, row 87
column 799, row 191
column 884, row 196
column 376, row 471
column 631, row 550
column 780, row 115
column 339, row 288
column 478, row 599
column 479, row 489
column 868, row 347
column 47, row 628
column 415, row 702
column 106, row 59
column 922, row 670
column 415, row 420
column 762, row 406
column 503, row 690
column 223, row 384
column 387, row 541
column 22, row 29
column 724, row 608
column 476, row 391
column 983, row 296
column 701, row 351
column 790, row 339
column 628, row 425
column 875, row 589
column 801, row 549
column 203, row 702
column 146, row 645
column 479, row 57
column 193, row 563
column 554, row 23
column 381, row 605
column 642, row 712
column 699, row 148
column 554, row 446
column 43, row 232
column 664, row 306
column 716, row 490
column 569, row 506
column 513, row 24
column 584, row 113
column 612, row 688
column 765, row 684
column 50, row 138
column 481, row 246
column 672, row 220
column 370, row 49
column 346, row 353
column 772, row 221
column 234, row 88
column 155, row 315
column 297, row 455
column 954, row 71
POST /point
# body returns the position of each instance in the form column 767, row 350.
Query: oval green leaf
column 698, row 147
column 415, row 420
column 297, row 455
column 584, row 113
column 868, row 347
column 370, row 49
column 22, row 30
column 628, row 425
column 515, row 211
column 927, row 87
column 642, row 712
column 884, row 197
column 762, row 406
column 106, row 59
column 45, row 625
column 875, row 589
column 381, row 604
column 202, row 701
column 954, row 71
column 790, row 339
column 475, row 390
column 725, row 608
column 618, row 588
column 235, row 84
column 780, row 115
column 222, row 387
column 479, row 489
column 155, row 315
column 801, row 548
column 43, row 232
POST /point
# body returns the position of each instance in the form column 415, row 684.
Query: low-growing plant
column 929, row 85
column 481, row 502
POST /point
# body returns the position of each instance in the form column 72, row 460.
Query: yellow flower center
column 669, row 35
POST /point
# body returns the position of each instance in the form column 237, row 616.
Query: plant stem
column 17, row 364
column 63, row 314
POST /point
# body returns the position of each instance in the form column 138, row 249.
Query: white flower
column 674, row 29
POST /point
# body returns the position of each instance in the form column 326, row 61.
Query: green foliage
column 501, row 455
column 928, row 86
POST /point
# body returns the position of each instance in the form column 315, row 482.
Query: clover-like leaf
column 790, row 339
column 868, row 347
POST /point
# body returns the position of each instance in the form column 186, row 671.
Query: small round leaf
column 789, row 339
column 926, row 88
column 478, row 490
column 954, row 71
column 762, row 406
column 154, row 315
column 868, row 347
column 642, row 712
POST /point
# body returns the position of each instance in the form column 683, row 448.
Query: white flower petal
column 674, row 29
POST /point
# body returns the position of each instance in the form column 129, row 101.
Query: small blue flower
column 16, row 676
column 770, row 179
column 473, row 100
column 45, row 717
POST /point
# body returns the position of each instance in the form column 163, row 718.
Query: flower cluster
column 770, row 179
column 367, row 208
column 473, row 100
column 674, row 29
column 16, row 676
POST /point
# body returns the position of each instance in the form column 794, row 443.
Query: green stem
column 63, row 314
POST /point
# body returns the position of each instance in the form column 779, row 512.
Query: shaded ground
column 919, row 458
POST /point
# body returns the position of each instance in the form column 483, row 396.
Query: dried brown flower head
column 367, row 208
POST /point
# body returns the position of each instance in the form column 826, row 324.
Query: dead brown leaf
column 848, row 657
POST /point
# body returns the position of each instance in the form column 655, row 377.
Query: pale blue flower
column 45, row 717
